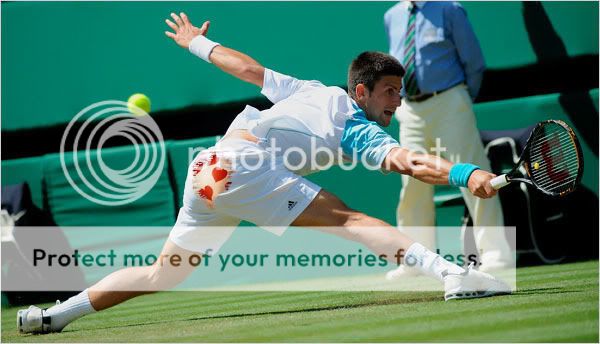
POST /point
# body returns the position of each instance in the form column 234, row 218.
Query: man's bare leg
column 327, row 210
column 128, row 283
column 115, row 288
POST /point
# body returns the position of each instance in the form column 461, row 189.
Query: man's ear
column 361, row 91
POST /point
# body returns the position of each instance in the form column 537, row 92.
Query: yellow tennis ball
column 536, row 165
column 139, row 104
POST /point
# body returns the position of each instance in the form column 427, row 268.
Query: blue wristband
column 460, row 173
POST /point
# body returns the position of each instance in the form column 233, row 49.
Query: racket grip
column 499, row 182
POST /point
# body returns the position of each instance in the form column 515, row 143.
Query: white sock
column 429, row 263
column 72, row 309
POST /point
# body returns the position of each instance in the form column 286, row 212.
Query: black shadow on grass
column 549, row 290
column 416, row 299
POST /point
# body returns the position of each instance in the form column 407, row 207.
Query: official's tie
column 410, row 78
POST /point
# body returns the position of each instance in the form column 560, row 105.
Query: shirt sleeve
column 365, row 140
column 386, row 25
column 277, row 86
column 468, row 48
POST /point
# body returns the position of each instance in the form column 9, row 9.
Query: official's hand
column 184, row 30
column 479, row 184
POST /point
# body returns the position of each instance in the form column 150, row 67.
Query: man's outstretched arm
column 435, row 170
column 230, row 61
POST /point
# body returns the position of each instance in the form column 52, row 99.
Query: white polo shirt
column 310, row 117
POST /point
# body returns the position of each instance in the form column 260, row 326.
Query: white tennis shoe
column 34, row 320
column 473, row 284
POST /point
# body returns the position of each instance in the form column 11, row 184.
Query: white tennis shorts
column 233, row 181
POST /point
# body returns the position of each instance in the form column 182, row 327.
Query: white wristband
column 202, row 47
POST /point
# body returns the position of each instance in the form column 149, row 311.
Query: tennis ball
column 536, row 165
column 139, row 104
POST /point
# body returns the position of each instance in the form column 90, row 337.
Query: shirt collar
column 419, row 4
column 355, row 105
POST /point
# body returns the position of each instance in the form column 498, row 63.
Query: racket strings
column 554, row 172
column 559, row 159
column 570, row 164
column 562, row 140
column 546, row 180
column 554, row 162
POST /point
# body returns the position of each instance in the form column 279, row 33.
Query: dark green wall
column 59, row 57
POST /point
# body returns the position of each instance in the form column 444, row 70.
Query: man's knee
column 355, row 219
column 367, row 229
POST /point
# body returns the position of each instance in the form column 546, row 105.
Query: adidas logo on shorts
column 291, row 205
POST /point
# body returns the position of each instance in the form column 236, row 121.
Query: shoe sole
column 20, row 315
column 474, row 294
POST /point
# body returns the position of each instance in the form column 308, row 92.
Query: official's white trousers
column 449, row 119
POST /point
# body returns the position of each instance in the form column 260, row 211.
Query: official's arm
column 467, row 47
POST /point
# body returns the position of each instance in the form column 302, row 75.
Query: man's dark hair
column 369, row 67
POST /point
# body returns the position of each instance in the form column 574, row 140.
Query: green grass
column 553, row 304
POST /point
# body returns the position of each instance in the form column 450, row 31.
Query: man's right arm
column 233, row 62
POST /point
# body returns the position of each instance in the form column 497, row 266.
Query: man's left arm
column 435, row 170
column 231, row 61
column 467, row 47
column 366, row 141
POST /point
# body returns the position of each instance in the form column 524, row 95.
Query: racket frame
column 515, row 175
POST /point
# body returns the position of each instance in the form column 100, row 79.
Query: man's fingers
column 204, row 28
column 484, row 192
column 487, row 194
column 177, row 19
column 170, row 34
column 488, row 189
column 171, row 25
column 185, row 18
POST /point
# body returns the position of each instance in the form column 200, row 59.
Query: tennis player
column 261, row 187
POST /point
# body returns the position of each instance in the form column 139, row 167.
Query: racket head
column 552, row 159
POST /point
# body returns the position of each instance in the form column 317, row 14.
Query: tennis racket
column 551, row 161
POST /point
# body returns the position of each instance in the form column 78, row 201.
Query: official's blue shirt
column 447, row 50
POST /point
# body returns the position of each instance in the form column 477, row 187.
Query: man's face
column 381, row 103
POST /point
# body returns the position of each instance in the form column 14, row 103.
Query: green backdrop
column 59, row 57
